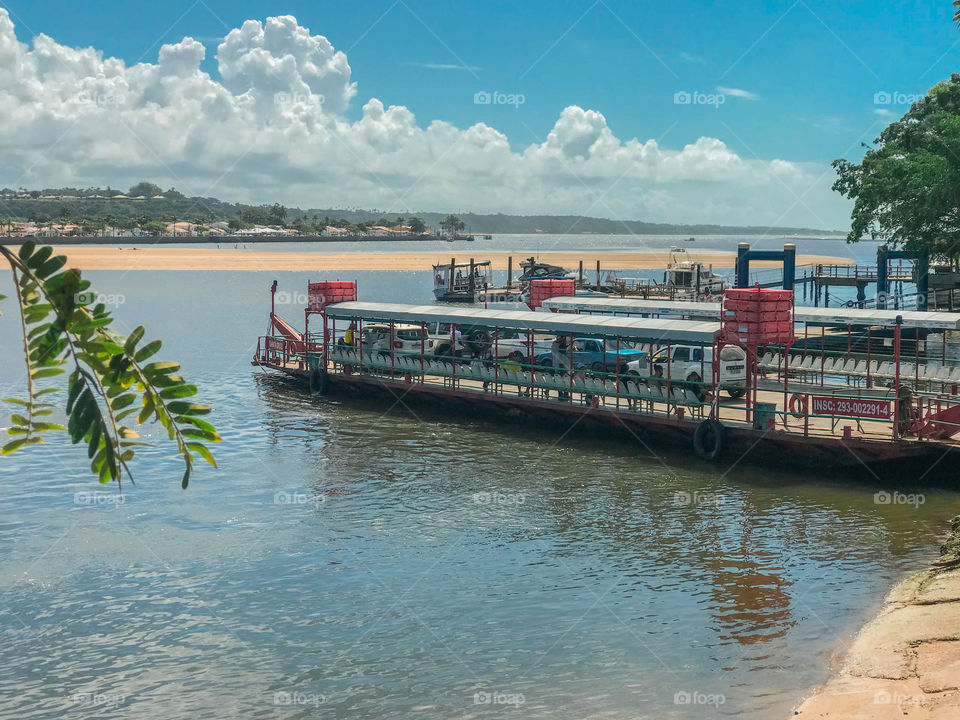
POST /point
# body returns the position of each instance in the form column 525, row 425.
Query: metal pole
column 392, row 362
column 509, row 271
column 896, row 382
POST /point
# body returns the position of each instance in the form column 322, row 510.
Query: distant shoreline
column 252, row 259
column 324, row 239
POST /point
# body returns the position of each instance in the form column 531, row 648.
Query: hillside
column 76, row 205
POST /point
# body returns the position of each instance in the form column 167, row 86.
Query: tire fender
column 319, row 381
column 708, row 439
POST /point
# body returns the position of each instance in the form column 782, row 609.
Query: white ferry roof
column 681, row 331
column 839, row 316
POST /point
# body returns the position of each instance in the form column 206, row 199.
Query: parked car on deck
column 590, row 353
column 694, row 364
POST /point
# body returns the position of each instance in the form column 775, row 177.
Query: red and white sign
column 851, row 407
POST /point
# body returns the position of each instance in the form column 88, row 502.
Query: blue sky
column 808, row 70
column 814, row 66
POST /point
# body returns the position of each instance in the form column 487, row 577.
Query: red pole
column 896, row 382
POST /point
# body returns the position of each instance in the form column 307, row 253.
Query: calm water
column 358, row 561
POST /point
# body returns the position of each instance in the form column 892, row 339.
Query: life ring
column 708, row 439
column 319, row 382
column 798, row 405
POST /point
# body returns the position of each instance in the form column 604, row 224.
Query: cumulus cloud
column 272, row 127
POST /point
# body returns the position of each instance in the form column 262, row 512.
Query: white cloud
column 273, row 128
column 736, row 92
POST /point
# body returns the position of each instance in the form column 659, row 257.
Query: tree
column 417, row 225
column 110, row 379
column 277, row 214
column 906, row 191
column 451, row 225
column 146, row 189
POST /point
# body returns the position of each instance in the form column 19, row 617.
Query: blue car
column 590, row 354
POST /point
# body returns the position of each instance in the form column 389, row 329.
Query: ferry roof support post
column 509, row 271
column 423, row 342
column 896, row 380
column 471, row 283
column 392, row 363
column 453, row 271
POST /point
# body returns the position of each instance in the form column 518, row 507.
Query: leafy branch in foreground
column 110, row 379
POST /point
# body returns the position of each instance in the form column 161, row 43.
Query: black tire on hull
column 319, row 382
column 708, row 439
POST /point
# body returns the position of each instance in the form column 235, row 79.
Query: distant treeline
column 140, row 206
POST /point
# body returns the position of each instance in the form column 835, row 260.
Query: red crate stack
column 544, row 288
column 321, row 294
column 753, row 316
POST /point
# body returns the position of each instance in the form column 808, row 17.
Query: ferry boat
column 891, row 412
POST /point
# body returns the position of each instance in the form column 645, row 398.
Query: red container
column 328, row 292
column 543, row 289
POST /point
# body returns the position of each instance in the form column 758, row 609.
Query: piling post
column 598, row 276
column 509, row 271
column 580, row 283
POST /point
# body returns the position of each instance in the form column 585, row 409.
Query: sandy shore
column 906, row 662
column 176, row 258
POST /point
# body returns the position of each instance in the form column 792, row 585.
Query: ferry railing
column 281, row 352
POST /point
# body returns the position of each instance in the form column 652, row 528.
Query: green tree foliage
column 417, row 225
column 111, row 377
column 451, row 225
column 146, row 189
column 906, row 191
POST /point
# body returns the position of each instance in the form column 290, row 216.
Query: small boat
column 690, row 278
column 537, row 270
column 690, row 240
column 461, row 282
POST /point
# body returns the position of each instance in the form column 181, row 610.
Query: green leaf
column 133, row 339
column 186, row 478
column 200, row 434
column 26, row 250
column 160, row 367
column 178, row 391
column 201, row 424
column 186, row 408
column 15, row 445
column 17, row 401
column 148, row 350
column 123, row 401
column 51, row 266
column 46, row 427
column 40, row 257
column 46, row 372
column 204, row 452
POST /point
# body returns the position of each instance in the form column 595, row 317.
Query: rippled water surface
column 352, row 559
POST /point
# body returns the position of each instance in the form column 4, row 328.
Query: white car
column 692, row 363
column 406, row 339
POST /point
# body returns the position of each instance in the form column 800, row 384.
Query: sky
column 682, row 112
